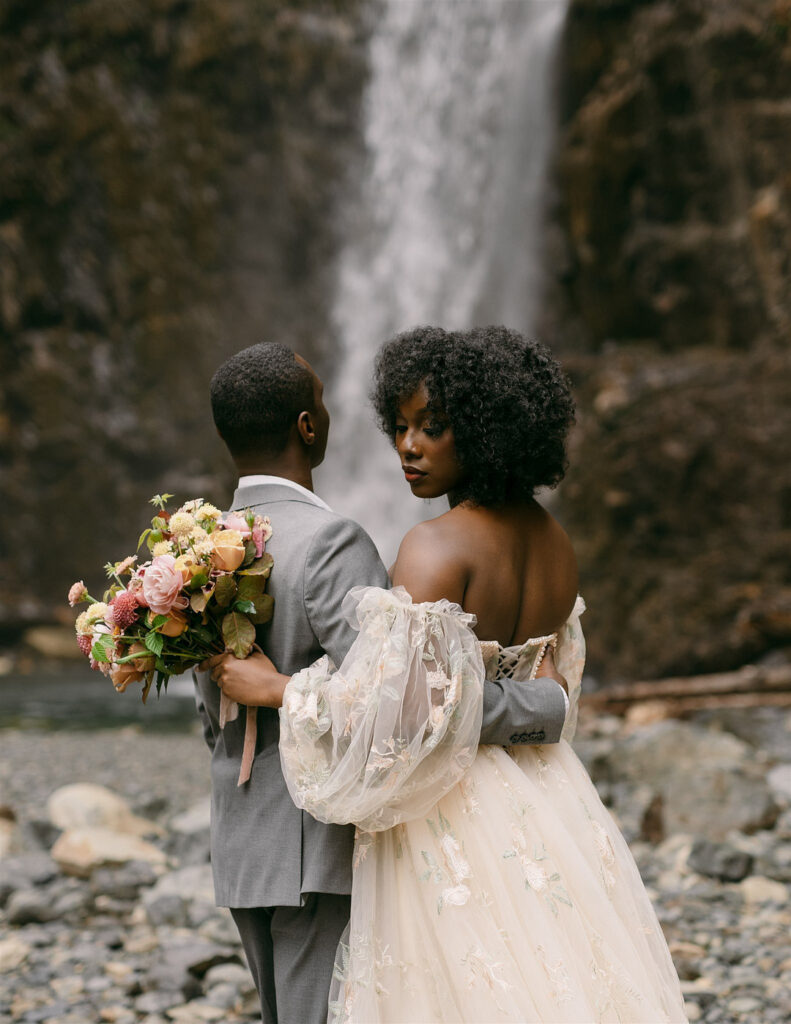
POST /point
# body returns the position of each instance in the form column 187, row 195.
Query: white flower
column 266, row 526
column 535, row 876
column 457, row 896
column 162, row 547
column 303, row 709
column 437, row 680
column 181, row 524
column 436, row 717
column 208, row 511
column 451, row 850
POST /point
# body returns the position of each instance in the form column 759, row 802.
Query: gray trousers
column 291, row 952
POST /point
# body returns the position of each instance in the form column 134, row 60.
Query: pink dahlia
column 123, row 609
column 77, row 592
column 85, row 643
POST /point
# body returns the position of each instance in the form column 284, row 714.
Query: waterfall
column 442, row 226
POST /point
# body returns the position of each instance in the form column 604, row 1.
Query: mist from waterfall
column 442, row 225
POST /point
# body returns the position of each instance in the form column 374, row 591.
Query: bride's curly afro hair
column 508, row 403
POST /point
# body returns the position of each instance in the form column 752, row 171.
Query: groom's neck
column 290, row 465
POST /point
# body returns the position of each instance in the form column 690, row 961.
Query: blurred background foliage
column 169, row 176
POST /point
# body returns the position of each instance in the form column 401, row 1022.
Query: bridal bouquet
column 201, row 593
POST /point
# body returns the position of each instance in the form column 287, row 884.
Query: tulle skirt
column 515, row 898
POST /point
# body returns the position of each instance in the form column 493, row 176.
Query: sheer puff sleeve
column 384, row 737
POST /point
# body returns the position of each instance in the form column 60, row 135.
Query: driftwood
column 751, row 686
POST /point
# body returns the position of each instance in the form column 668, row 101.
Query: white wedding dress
column 490, row 884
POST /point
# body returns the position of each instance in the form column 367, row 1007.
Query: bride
column 490, row 884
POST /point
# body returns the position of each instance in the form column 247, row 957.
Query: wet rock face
column 677, row 500
column 675, row 197
column 672, row 300
column 166, row 172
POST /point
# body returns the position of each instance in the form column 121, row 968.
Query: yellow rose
column 227, row 550
column 188, row 566
column 143, row 664
column 122, row 675
column 175, row 626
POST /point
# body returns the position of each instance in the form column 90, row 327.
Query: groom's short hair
column 256, row 397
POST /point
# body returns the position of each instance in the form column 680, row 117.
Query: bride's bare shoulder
column 433, row 561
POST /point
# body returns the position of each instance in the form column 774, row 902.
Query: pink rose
column 234, row 522
column 161, row 585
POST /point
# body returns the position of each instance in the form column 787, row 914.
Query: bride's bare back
column 513, row 567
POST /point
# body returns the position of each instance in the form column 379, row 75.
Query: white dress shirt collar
column 256, row 479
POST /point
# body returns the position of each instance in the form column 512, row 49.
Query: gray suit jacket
column 265, row 851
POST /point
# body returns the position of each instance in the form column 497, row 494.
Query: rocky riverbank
column 106, row 905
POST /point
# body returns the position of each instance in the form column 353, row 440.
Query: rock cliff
column 167, row 171
column 672, row 298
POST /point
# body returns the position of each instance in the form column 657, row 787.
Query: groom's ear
column 306, row 428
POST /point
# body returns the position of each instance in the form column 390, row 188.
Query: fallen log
column 750, row 686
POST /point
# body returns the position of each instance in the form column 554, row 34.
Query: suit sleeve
column 341, row 556
column 522, row 712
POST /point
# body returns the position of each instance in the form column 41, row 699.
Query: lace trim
column 502, row 662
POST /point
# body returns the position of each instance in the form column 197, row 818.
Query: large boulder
column 79, row 851
column 86, row 805
column 708, row 783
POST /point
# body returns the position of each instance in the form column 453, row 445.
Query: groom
column 285, row 876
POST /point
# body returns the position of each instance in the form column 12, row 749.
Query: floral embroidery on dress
column 481, row 969
column 364, row 842
column 468, row 793
column 558, row 976
column 545, row 767
column 616, row 992
column 606, row 853
column 455, row 869
column 537, row 869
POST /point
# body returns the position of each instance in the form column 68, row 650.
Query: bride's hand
column 548, row 668
column 253, row 681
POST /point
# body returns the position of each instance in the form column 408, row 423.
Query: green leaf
column 264, row 608
column 249, row 552
column 225, row 591
column 159, row 500
column 100, row 651
column 158, row 524
column 250, row 587
column 158, row 620
column 261, row 567
column 198, row 581
column 154, row 642
column 248, row 607
column 206, row 636
column 143, row 537
column 238, row 632
column 199, row 601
